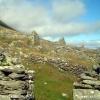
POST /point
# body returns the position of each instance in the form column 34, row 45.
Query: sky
column 75, row 20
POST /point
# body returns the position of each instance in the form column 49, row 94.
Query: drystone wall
column 60, row 64
column 16, row 83
column 88, row 86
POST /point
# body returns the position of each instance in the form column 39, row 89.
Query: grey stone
column 90, row 73
column 86, row 94
column 15, row 76
column 4, row 97
column 91, row 82
column 16, row 61
column 84, row 77
column 17, row 97
column 12, row 84
column 88, row 88
column 7, row 71
column 1, row 75
column 82, row 86
column 19, row 69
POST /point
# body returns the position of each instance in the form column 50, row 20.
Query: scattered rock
column 88, row 88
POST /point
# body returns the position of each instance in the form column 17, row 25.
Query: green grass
column 57, row 83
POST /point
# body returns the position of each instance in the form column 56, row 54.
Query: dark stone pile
column 16, row 83
column 88, row 86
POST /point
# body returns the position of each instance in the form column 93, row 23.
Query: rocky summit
column 16, row 83
column 88, row 86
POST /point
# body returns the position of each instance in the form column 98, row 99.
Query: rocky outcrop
column 88, row 86
column 16, row 83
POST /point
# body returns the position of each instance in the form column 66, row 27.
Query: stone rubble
column 60, row 64
column 16, row 83
column 88, row 86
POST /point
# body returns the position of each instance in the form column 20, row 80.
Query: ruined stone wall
column 16, row 83
column 60, row 64
column 88, row 86
column 35, row 38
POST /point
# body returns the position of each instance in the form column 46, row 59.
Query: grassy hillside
column 50, row 83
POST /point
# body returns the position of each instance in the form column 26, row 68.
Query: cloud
column 65, row 10
column 21, row 14
column 92, row 44
column 54, row 18
column 72, row 28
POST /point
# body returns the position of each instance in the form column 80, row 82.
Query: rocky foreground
column 16, row 83
column 88, row 86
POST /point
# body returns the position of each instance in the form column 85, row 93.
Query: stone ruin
column 61, row 42
column 88, row 86
column 16, row 83
column 35, row 38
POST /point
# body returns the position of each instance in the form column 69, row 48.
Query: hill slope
column 2, row 24
column 51, row 81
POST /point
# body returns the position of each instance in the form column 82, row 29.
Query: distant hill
column 5, row 25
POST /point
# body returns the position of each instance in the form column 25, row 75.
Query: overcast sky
column 76, row 20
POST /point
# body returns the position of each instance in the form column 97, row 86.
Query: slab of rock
column 12, row 84
column 82, row 86
column 15, row 76
column 86, row 94
column 85, row 77
column 88, row 87
column 91, row 82
column 4, row 97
